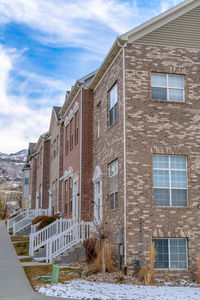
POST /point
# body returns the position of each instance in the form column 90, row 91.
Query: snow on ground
column 82, row 289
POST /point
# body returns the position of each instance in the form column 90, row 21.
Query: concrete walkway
column 14, row 284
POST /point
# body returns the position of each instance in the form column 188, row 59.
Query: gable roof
column 57, row 112
column 84, row 81
column 169, row 28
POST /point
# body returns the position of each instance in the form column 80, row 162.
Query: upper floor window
column 113, row 107
column 113, row 184
column 170, row 180
column 168, row 87
column 76, row 127
column 66, row 197
column 99, row 120
column 54, row 149
column 70, row 194
column 71, row 134
column 67, row 139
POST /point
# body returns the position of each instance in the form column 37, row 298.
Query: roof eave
column 72, row 94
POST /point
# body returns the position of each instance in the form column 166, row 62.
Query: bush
column 47, row 220
column 198, row 269
column 38, row 219
column 146, row 273
column 90, row 249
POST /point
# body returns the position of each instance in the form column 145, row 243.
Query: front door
column 98, row 203
column 75, row 201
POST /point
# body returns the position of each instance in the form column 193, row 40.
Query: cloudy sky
column 45, row 45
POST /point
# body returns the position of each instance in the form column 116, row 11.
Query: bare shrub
column 37, row 219
column 47, row 220
column 90, row 249
column 198, row 269
column 146, row 273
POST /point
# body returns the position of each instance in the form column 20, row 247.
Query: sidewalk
column 14, row 284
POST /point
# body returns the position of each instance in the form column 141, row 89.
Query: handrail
column 41, row 237
column 27, row 219
column 78, row 232
column 17, row 218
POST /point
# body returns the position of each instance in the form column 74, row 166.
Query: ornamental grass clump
column 146, row 273
column 97, row 264
column 198, row 269
column 47, row 220
column 38, row 219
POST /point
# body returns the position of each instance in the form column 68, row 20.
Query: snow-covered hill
column 11, row 165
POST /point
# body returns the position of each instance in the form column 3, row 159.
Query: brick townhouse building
column 56, row 160
column 146, row 158
column 42, row 171
column 77, row 115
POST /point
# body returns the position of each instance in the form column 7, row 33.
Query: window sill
column 111, row 126
column 158, row 206
column 168, row 101
column 168, row 269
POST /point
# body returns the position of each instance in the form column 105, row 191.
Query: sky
column 45, row 46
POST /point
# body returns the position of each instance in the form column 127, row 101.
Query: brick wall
column 46, row 174
column 156, row 127
column 33, row 165
column 87, row 155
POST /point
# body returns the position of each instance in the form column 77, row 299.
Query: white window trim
column 71, row 113
column 110, row 176
column 170, row 88
column 170, row 183
column 169, row 256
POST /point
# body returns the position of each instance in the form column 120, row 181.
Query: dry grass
column 38, row 219
column 198, row 269
column 97, row 264
column 33, row 273
column 47, row 220
column 20, row 238
column 146, row 273
column 90, row 249
column 27, row 259
column 22, row 248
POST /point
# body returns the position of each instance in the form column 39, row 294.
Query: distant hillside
column 11, row 165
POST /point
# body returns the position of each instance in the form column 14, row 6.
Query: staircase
column 24, row 220
column 74, row 235
column 73, row 253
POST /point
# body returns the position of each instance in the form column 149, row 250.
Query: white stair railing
column 41, row 237
column 20, row 216
column 28, row 218
column 58, row 244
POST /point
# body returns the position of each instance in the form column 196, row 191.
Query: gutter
column 124, row 148
column 80, row 180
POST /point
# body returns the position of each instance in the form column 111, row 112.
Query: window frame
column 67, row 139
column 114, row 109
column 70, row 194
column 169, row 253
column 169, row 169
column 116, row 192
column 98, row 120
column 71, row 134
column 66, row 196
column 167, row 87
column 76, row 127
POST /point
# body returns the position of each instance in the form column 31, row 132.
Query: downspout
column 124, row 148
column 80, row 177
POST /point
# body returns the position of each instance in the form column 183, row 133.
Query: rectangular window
column 54, row 149
column 53, row 197
column 168, row 87
column 66, row 197
column 170, row 180
column 67, row 140
column 99, row 120
column 71, row 134
column 26, row 180
column 76, row 127
column 40, row 196
column 113, row 107
column 171, row 253
column 113, row 184
column 70, row 193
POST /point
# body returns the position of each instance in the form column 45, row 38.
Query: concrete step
column 41, row 252
column 75, row 252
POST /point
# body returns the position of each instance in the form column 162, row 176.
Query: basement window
column 171, row 253
column 169, row 87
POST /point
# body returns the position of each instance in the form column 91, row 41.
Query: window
column 53, row 197
column 67, row 140
column 70, row 193
column 40, row 196
column 113, row 109
column 26, row 180
column 76, row 127
column 168, row 87
column 71, row 134
column 66, row 197
column 113, row 184
column 54, row 149
column 170, row 180
column 99, row 120
column 171, row 253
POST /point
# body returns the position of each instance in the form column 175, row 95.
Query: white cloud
column 19, row 124
column 167, row 4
